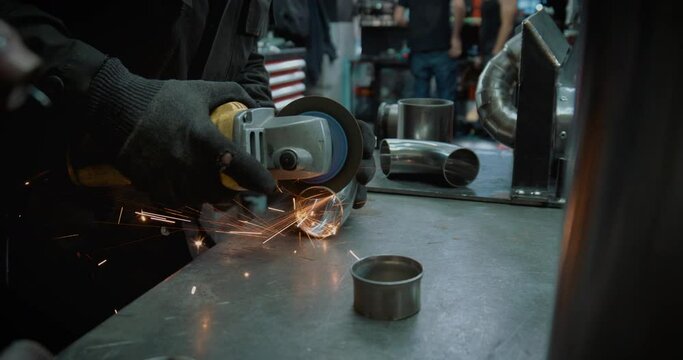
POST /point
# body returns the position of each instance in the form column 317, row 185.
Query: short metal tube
column 457, row 165
column 425, row 119
column 387, row 120
column 347, row 196
column 386, row 287
column 320, row 212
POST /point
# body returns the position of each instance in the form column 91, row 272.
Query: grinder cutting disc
column 347, row 142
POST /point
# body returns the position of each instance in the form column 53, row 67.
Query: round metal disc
column 354, row 139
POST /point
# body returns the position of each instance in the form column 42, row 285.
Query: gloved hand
column 25, row 349
column 17, row 64
column 164, row 140
column 367, row 166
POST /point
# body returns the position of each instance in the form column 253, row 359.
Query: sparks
column 311, row 240
column 274, row 209
column 198, row 241
column 143, row 218
column 295, row 251
column 320, row 213
column 120, row 213
column 63, row 237
column 115, row 312
column 155, row 215
column 244, row 232
column 194, row 288
column 247, row 210
column 252, row 224
column 102, row 262
column 354, row 254
column 281, row 230
column 176, row 212
column 162, row 220
column 193, row 209
column 27, row 183
column 246, row 274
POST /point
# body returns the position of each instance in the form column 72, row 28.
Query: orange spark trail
column 281, row 230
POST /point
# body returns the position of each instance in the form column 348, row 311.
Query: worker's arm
column 458, row 10
column 158, row 133
column 254, row 79
column 70, row 63
column 17, row 65
column 400, row 14
column 508, row 10
column 367, row 168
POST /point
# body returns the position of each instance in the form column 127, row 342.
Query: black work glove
column 164, row 140
column 367, row 166
column 17, row 65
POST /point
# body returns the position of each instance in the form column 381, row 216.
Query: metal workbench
column 487, row 291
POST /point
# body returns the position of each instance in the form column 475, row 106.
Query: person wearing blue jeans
column 434, row 43
column 427, row 64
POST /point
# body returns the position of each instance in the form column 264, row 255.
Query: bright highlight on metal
column 319, row 212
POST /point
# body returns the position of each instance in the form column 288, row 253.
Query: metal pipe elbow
column 457, row 165
column 495, row 92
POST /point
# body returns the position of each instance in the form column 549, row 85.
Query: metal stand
column 538, row 167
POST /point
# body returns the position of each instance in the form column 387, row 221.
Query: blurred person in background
column 434, row 43
column 497, row 23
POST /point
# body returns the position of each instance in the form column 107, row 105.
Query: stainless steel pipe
column 457, row 165
column 386, row 287
column 495, row 92
column 329, row 217
column 425, row 119
column 387, row 120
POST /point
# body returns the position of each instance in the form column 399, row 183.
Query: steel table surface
column 487, row 291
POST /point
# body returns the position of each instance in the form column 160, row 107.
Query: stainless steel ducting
column 458, row 166
column 417, row 119
column 425, row 119
column 387, row 121
column 496, row 91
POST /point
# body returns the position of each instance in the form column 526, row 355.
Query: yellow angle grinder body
column 313, row 141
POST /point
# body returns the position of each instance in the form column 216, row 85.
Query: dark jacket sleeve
column 254, row 79
column 68, row 64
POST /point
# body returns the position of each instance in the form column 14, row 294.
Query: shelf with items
column 286, row 69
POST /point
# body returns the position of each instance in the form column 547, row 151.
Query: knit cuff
column 117, row 99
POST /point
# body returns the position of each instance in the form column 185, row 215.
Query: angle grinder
column 313, row 141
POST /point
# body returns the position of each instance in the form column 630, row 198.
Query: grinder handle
column 224, row 117
column 106, row 175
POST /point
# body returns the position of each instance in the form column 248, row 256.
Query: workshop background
column 541, row 205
